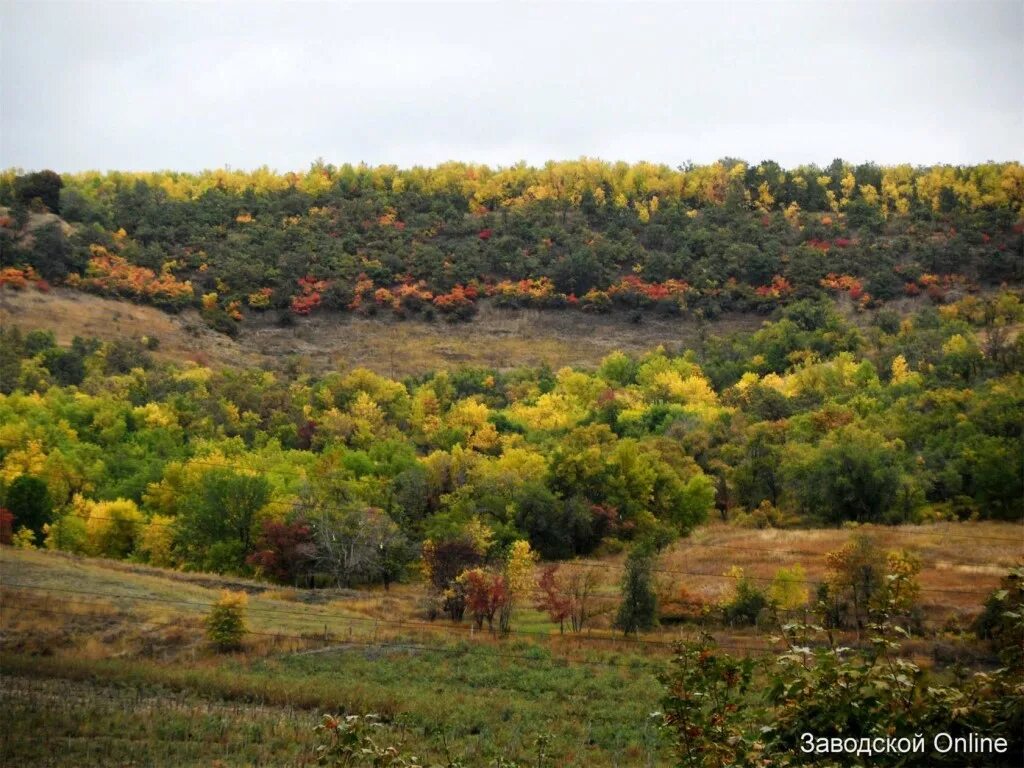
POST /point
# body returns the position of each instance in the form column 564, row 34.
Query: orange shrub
column 109, row 273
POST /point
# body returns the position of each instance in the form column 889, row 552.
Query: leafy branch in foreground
column 870, row 696
column 358, row 740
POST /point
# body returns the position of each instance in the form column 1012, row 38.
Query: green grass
column 479, row 703
column 57, row 722
column 145, row 689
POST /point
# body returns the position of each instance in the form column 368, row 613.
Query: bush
column 999, row 622
column 225, row 624
column 747, row 603
column 24, row 539
column 44, row 186
column 355, row 740
column 720, row 710
column 68, row 534
column 6, row 526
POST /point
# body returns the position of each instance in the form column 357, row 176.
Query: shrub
column 999, row 622
column 28, row 499
column 67, row 534
column 486, row 593
column 24, row 539
column 6, row 526
column 355, row 740
column 44, row 186
column 788, row 590
column 722, row 711
column 747, row 603
column 225, row 623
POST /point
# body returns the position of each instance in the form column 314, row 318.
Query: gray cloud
column 188, row 86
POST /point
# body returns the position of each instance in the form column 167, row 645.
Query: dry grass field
column 959, row 558
column 961, row 564
column 499, row 338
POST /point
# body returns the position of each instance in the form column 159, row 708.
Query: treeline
column 810, row 420
column 586, row 234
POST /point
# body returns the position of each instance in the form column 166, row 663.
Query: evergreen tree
column 639, row 607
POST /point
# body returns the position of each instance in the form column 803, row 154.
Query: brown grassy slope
column 71, row 313
column 954, row 556
column 497, row 337
column 137, row 605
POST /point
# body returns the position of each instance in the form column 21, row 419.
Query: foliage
column 6, row 526
column 863, row 579
column 747, row 603
column 518, row 578
column 705, row 706
column 44, row 186
column 156, row 543
column 486, row 593
column 999, row 621
column 363, row 545
column 216, row 528
column 716, row 716
column 788, row 590
column 353, row 740
column 809, row 419
column 284, row 551
column 112, row 527
column 28, row 499
column 568, row 592
column 583, row 234
column 639, row 607
column 225, row 623
column 24, row 538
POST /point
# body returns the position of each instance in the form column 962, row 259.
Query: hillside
column 125, row 644
column 498, row 338
column 582, row 237
column 510, row 466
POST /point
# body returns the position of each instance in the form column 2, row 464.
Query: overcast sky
column 190, row 86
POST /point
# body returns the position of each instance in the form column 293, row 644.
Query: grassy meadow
column 106, row 662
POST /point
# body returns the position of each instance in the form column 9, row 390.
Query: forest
column 810, row 421
column 587, row 235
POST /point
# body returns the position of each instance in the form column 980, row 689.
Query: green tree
column 28, row 499
column 855, row 474
column 42, row 185
column 639, row 607
column 217, row 527
column 51, row 254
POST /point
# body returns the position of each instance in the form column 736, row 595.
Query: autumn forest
column 832, row 458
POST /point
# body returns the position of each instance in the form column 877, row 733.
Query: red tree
column 557, row 605
column 485, row 594
column 284, row 551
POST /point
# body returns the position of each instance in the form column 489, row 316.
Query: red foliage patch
column 6, row 526
column 778, row 288
column 310, row 296
column 460, row 297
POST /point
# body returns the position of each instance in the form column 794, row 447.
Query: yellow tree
column 788, row 589
column 518, row 579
